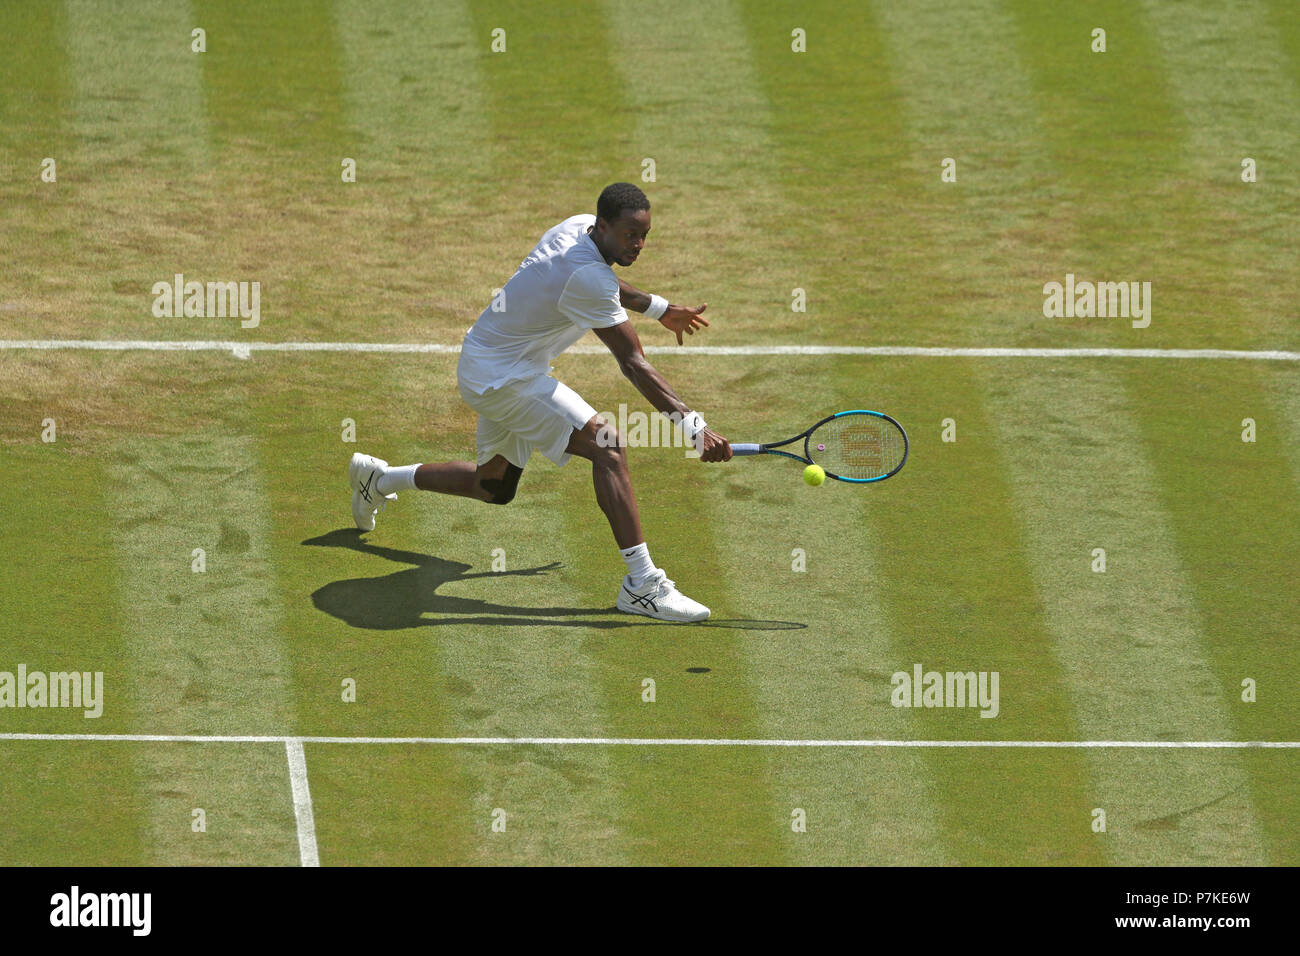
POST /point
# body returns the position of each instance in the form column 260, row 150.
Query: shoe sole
column 666, row 620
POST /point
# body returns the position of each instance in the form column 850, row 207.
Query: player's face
column 625, row 236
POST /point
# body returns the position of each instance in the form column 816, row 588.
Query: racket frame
column 771, row 448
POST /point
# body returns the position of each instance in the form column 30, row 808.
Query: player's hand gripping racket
column 857, row 446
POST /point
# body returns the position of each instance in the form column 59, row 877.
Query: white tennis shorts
column 539, row 413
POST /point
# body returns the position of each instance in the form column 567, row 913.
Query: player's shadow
column 404, row 599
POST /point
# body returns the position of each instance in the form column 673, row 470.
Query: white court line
column 655, row 742
column 244, row 349
column 302, row 810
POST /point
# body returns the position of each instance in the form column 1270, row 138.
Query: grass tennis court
column 775, row 171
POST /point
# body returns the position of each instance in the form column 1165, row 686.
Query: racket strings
column 857, row 446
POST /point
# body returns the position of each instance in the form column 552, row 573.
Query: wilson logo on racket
column 857, row 446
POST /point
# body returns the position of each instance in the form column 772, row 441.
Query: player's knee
column 609, row 451
column 502, row 490
column 502, row 497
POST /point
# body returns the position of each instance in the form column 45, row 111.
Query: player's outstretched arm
column 625, row 345
column 676, row 318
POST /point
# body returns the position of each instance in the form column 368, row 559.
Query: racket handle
column 746, row 449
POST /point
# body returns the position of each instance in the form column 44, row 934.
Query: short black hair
column 616, row 197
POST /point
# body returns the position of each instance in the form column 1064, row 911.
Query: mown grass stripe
column 1234, row 77
column 964, row 98
column 1129, row 638
column 349, row 606
column 205, row 649
column 802, row 554
column 692, row 808
column 135, row 71
column 964, row 572
column 528, row 668
column 720, row 99
column 74, row 805
column 173, row 496
column 858, row 243
column 274, row 97
column 1226, row 499
column 1116, row 143
column 702, row 117
column 558, row 139
column 273, row 80
column 62, row 614
column 139, row 119
column 556, row 808
column 1228, row 75
column 527, row 86
column 1282, row 24
column 1285, row 405
column 416, row 97
column 966, row 592
column 61, row 607
column 36, row 82
column 399, row 61
column 36, row 91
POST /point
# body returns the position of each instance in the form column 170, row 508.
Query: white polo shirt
column 561, row 290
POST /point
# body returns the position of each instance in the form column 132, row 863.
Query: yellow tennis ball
column 814, row 475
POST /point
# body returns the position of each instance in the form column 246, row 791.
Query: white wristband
column 658, row 306
column 691, row 424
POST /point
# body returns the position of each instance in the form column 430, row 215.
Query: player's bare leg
column 486, row 482
column 374, row 482
column 646, row 589
column 610, row 476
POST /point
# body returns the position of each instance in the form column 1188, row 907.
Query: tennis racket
column 856, row 446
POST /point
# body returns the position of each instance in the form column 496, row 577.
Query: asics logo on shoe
column 641, row 600
column 365, row 486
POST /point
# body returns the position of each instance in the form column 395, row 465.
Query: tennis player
column 563, row 288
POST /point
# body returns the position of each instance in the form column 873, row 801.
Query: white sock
column 401, row 478
column 639, row 565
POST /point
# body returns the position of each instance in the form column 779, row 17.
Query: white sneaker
column 363, row 472
column 658, row 597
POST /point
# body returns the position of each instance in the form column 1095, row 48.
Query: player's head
column 622, row 223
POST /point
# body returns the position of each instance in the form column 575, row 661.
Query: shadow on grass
column 404, row 598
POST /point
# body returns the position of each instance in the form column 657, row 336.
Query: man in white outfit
column 563, row 288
